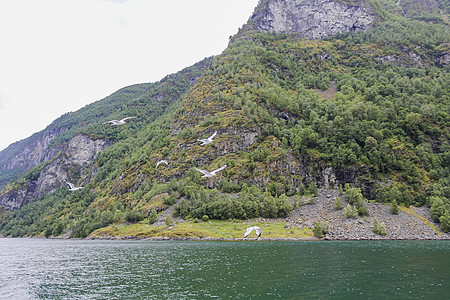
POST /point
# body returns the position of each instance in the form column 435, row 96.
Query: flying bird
column 208, row 140
column 250, row 229
column 212, row 173
column 161, row 162
column 119, row 122
column 73, row 188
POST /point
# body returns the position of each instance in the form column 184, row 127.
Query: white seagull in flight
column 119, row 122
column 208, row 140
column 73, row 188
column 161, row 162
column 250, row 229
column 212, row 173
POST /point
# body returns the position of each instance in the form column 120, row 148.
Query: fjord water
column 82, row 269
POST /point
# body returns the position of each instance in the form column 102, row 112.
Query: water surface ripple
column 82, row 269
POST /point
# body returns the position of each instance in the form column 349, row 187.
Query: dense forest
column 374, row 102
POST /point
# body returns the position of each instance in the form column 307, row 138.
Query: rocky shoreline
column 414, row 224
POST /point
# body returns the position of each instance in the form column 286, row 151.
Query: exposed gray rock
column 414, row 225
column 311, row 19
column 34, row 152
column 72, row 163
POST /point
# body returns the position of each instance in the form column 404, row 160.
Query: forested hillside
column 368, row 110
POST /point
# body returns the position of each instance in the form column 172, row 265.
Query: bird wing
column 161, row 162
column 219, row 169
column 127, row 118
column 248, row 231
column 258, row 230
column 71, row 185
column 212, row 136
column 203, row 171
column 112, row 121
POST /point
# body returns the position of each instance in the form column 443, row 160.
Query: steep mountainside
column 320, row 94
column 147, row 101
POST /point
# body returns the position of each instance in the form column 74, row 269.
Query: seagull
column 73, row 188
column 208, row 140
column 250, row 229
column 161, row 162
column 212, row 173
column 119, row 122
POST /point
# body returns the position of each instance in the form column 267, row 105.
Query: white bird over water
column 73, row 188
column 208, row 140
column 212, row 173
column 250, row 229
column 161, row 162
column 119, row 122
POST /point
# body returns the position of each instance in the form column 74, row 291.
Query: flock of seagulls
column 205, row 173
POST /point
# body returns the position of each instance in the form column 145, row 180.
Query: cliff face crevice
column 35, row 152
column 72, row 163
column 311, row 19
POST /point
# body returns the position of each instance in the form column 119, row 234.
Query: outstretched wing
column 219, row 169
column 127, row 118
column 204, row 172
column 70, row 185
column 161, row 162
column 112, row 121
column 248, row 231
column 212, row 136
column 258, row 231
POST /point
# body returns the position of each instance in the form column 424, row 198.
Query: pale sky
column 57, row 56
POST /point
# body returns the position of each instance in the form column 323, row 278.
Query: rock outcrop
column 72, row 163
column 311, row 19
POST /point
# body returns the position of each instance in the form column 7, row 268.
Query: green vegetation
column 338, row 204
column 320, row 229
column 214, row 229
column 379, row 228
column 374, row 104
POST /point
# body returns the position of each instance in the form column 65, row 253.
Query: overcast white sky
column 57, row 56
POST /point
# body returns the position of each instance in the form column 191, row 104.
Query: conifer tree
column 338, row 204
column 394, row 207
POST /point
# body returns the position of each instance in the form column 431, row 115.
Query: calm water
column 77, row 269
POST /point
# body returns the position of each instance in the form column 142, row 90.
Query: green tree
column 320, row 229
column 445, row 221
column 338, row 204
column 394, row 207
column 152, row 217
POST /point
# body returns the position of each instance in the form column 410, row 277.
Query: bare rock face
column 72, row 164
column 35, row 152
column 311, row 19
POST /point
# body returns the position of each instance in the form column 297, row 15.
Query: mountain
column 312, row 101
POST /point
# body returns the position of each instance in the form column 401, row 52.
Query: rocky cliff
column 72, row 163
column 311, row 19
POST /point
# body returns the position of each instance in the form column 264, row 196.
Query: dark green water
column 77, row 269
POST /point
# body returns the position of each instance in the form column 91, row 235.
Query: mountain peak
column 311, row 19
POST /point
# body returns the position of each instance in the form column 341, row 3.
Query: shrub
column 382, row 229
column 348, row 212
column 379, row 228
column 445, row 221
column 133, row 216
column 394, row 207
column 375, row 226
column 338, row 204
column 320, row 229
column 152, row 217
column 169, row 220
column 205, row 218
